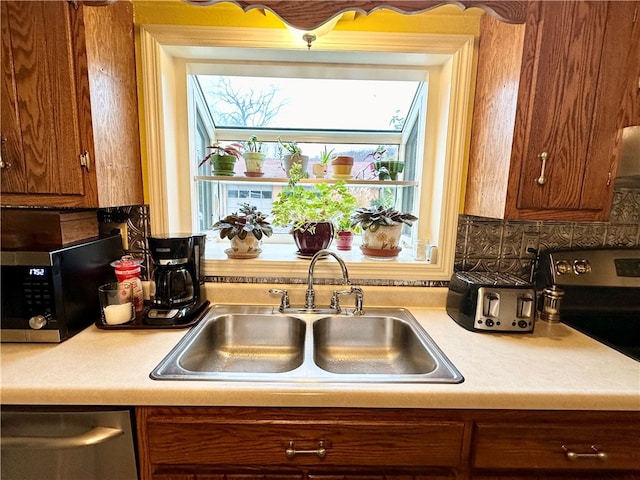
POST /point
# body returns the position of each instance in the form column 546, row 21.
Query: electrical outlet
column 529, row 241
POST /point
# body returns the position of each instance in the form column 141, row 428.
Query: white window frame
column 165, row 55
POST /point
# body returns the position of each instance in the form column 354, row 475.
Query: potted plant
column 293, row 156
column 223, row 158
column 254, row 157
column 385, row 167
column 342, row 166
column 345, row 233
column 320, row 169
column 381, row 230
column 310, row 212
column 245, row 231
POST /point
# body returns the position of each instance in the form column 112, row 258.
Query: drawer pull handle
column 594, row 454
column 291, row 451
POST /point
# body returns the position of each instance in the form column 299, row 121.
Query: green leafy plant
column 302, row 208
column 253, row 145
column 325, row 155
column 291, row 147
column 373, row 217
column 248, row 221
column 234, row 149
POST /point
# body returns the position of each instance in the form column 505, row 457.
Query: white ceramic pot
column 247, row 248
column 382, row 242
column 289, row 160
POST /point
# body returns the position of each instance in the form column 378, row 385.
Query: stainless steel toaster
column 491, row 302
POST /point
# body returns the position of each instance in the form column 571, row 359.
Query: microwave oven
column 50, row 295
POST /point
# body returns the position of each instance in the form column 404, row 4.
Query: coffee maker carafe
column 178, row 278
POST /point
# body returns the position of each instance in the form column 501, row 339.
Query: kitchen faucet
column 310, row 295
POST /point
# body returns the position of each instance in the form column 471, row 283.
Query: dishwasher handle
column 94, row 436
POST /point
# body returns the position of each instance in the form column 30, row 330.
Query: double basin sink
column 258, row 343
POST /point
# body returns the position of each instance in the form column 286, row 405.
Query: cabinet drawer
column 285, row 443
column 557, row 447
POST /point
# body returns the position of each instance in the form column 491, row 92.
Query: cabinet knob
column 541, row 180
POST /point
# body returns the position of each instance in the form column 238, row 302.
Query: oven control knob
column 562, row 267
column 38, row 321
column 581, row 267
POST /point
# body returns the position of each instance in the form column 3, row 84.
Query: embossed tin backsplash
column 491, row 245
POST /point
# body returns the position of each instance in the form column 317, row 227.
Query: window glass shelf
column 351, row 181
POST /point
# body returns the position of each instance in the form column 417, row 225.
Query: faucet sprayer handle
column 335, row 300
column 284, row 300
column 359, row 294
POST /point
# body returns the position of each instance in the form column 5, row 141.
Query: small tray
column 139, row 323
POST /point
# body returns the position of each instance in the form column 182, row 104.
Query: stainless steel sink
column 254, row 343
column 370, row 345
column 246, row 343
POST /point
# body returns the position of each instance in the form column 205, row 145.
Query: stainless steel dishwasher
column 67, row 443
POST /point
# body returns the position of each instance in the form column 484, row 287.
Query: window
column 433, row 139
column 240, row 106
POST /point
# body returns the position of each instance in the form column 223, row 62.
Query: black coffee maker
column 178, row 277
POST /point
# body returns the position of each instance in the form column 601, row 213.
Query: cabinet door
column 629, row 20
column 556, row 117
column 39, row 102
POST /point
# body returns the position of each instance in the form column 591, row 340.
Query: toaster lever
column 491, row 305
column 525, row 306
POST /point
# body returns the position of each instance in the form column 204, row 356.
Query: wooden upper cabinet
column 549, row 111
column 629, row 41
column 70, row 135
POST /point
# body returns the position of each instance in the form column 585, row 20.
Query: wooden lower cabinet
column 229, row 443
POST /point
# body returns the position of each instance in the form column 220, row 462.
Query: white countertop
column 555, row 368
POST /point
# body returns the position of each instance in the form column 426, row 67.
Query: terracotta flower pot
column 313, row 237
column 342, row 166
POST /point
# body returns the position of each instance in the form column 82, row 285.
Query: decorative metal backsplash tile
column 491, row 245
column 136, row 221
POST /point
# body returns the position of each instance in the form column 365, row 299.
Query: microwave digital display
column 37, row 272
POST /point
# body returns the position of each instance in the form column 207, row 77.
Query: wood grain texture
column 223, row 442
column 496, row 97
column 632, row 98
column 12, row 175
column 620, row 57
column 30, row 228
column 559, row 109
column 562, row 103
column 114, row 103
column 540, row 447
column 45, row 95
column 308, row 15
column 75, row 89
